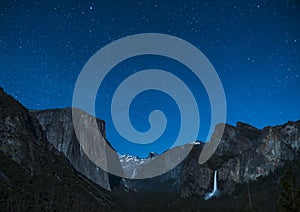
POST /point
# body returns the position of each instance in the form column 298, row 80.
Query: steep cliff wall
column 33, row 174
column 244, row 154
column 58, row 127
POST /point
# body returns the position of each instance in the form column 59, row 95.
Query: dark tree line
column 290, row 193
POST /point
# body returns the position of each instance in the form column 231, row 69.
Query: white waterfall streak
column 215, row 191
column 215, row 182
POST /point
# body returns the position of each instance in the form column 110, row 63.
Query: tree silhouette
column 290, row 194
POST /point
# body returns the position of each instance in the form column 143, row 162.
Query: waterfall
column 215, row 182
column 215, row 190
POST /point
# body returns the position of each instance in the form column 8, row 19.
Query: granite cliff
column 244, row 154
column 39, row 151
column 33, row 174
column 59, row 130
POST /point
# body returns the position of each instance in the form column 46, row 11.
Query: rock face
column 58, row 127
column 33, row 174
column 244, row 154
column 19, row 131
column 163, row 183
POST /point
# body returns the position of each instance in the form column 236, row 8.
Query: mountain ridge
column 245, row 154
column 33, row 174
column 242, row 139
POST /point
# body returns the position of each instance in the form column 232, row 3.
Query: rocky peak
column 14, row 117
column 244, row 154
column 18, row 129
column 33, row 174
column 242, row 125
column 152, row 155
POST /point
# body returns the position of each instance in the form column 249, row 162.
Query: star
column 254, row 53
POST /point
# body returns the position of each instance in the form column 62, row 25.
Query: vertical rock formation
column 244, row 154
column 58, row 127
column 33, row 174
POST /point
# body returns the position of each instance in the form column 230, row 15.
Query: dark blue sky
column 253, row 45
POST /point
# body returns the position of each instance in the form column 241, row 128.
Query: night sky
column 253, row 45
